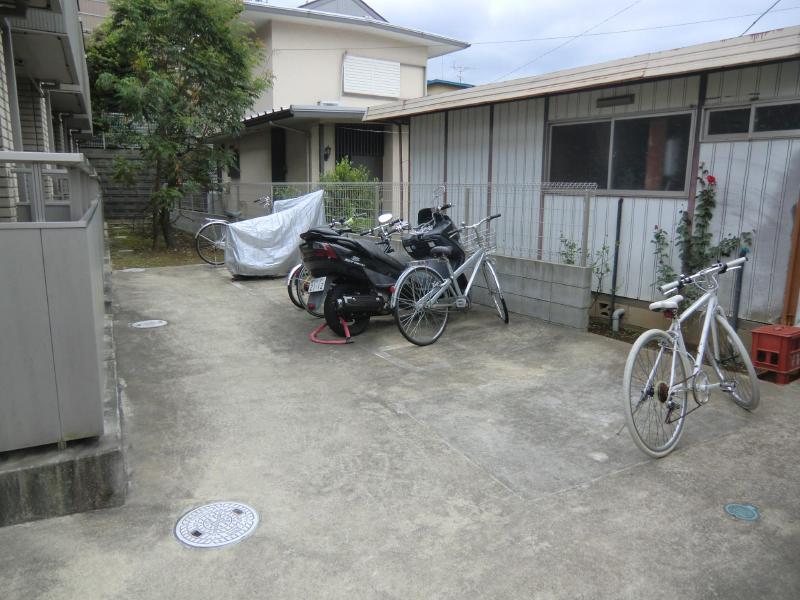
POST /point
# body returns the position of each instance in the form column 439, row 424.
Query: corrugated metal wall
column 653, row 96
column 759, row 181
column 759, row 186
column 427, row 156
column 780, row 80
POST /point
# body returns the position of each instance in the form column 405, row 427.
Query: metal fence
column 543, row 221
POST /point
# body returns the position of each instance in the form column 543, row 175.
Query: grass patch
column 133, row 247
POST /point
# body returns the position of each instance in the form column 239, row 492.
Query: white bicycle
column 662, row 378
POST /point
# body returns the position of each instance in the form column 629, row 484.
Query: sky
column 477, row 22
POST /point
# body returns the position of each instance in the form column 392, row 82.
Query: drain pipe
column 614, row 271
column 615, row 317
column 737, row 293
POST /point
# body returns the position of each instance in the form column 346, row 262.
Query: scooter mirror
column 385, row 218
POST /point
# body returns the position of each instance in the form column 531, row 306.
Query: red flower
column 711, row 180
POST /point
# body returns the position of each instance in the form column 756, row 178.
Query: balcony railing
column 52, row 186
column 51, row 304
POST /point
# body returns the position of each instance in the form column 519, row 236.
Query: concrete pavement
column 485, row 466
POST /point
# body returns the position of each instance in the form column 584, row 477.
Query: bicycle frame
column 433, row 296
column 712, row 307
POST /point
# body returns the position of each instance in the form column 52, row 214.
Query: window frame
column 626, row 117
column 751, row 134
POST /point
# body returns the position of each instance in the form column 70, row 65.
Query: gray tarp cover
column 270, row 245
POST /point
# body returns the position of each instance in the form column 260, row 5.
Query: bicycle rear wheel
column 420, row 325
column 210, row 242
column 291, row 285
column 734, row 367
column 496, row 292
column 655, row 393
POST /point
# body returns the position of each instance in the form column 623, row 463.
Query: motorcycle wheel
column 357, row 324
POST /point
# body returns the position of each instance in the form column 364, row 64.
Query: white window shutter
column 371, row 77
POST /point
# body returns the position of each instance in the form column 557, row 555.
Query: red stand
column 313, row 336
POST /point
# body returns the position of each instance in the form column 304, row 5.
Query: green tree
column 348, row 193
column 181, row 71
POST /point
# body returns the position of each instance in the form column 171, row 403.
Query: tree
column 181, row 71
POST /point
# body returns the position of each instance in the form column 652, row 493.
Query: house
column 442, row 86
column 329, row 60
column 44, row 95
column 51, row 234
column 637, row 128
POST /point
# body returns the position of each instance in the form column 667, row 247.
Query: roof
column 304, row 111
column 779, row 44
column 437, row 45
column 455, row 84
column 322, row 5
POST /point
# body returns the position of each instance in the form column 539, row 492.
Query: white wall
column 306, row 61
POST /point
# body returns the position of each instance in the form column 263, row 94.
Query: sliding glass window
column 647, row 154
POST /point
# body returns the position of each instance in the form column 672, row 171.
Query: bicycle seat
column 668, row 304
column 441, row 251
column 233, row 214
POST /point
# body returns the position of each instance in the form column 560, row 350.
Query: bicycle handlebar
column 719, row 267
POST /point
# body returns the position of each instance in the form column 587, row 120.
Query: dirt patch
column 602, row 326
column 131, row 246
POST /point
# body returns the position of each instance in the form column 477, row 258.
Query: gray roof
column 340, row 7
column 437, row 45
column 769, row 46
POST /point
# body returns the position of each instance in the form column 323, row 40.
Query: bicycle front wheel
column 210, row 242
column 493, row 283
column 734, row 367
column 420, row 324
column 655, row 393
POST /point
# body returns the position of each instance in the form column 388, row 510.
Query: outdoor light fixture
column 326, row 154
column 615, row 101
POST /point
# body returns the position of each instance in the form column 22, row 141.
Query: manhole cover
column 216, row 524
column 132, row 270
column 149, row 324
column 743, row 512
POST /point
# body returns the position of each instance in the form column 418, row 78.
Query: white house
column 637, row 128
column 329, row 60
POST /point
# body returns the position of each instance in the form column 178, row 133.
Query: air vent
column 615, row 101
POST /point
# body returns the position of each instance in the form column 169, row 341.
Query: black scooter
column 355, row 281
column 352, row 279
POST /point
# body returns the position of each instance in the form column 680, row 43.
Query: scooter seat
column 381, row 256
column 442, row 251
column 668, row 304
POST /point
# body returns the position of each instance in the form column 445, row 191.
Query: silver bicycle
column 423, row 296
column 662, row 378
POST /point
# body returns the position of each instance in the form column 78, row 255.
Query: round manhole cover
column 216, row 524
column 149, row 324
column 743, row 512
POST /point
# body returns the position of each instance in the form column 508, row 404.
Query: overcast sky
column 476, row 21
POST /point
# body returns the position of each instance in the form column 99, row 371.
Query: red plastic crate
column 776, row 348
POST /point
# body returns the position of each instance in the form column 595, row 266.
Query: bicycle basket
column 480, row 238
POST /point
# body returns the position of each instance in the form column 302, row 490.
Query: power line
column 545, row 39
column 543, row 54
column 759, row 17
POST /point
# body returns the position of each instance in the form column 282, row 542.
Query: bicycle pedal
column 461, row 303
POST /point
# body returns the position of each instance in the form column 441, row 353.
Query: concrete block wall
column 556, row 293
column 9, row 193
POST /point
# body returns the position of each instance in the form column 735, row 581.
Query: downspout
column 737, row 293
column 615, row 326
column 402, row 190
